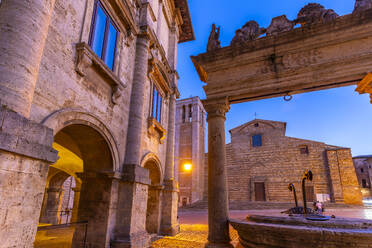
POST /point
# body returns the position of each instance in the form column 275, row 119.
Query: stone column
column 136, row 114
column 169, row 221
column 130, row 228
column 218, row 225
column 169, row 163
column 23, row 28
column 52, row 205
column 97, row 202
column 25, row 146
column 75, row 206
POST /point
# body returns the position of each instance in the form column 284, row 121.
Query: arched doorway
column 154, row 195
column 58, row 199
column 83, row 167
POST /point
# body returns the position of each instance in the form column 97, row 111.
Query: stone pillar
column 25, row 154
column 136, row 114
column 218, row 225
column 23, row 28
column 96, row 204
column 130, row 228
column 169, row 221
column 52, row 206
column 75, row 206
column 169, row 163
column 153, row 209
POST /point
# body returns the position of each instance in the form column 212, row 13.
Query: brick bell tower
column 189, row 150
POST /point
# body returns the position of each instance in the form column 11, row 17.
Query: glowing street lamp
column 187, row 167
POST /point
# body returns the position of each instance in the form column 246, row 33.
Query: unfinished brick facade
column 262, row 171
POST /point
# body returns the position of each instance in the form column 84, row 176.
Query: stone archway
column 153, row 213
column 86, row 137
column 95, row 196
column 52, row 197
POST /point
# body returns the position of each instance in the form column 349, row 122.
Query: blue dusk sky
column 337, row 117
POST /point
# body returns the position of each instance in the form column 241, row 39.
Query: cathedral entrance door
column 259, row 190
column 310, row 193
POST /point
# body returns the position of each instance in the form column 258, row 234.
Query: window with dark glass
column 257, row 140
column 304, row 150
column 157, row 102
column 361, row 170
column 103, row 35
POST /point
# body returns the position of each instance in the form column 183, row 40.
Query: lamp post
column 187, row 167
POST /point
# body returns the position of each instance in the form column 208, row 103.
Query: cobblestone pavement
column 194, row 229
column 191, row 236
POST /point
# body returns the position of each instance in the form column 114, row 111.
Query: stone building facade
column 262, row 161
column 190, row 129
column 92, row 85
column 363, row 168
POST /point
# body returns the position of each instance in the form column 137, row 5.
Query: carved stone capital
column 216, row 107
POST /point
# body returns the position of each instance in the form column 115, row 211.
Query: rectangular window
column 304, row 150
column 157, row 102
column 257, row 140
column 103, row 35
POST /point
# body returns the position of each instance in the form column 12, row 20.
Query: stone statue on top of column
column 213, row 41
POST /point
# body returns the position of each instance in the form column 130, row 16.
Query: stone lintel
column 24, row 137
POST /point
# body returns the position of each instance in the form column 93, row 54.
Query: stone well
column 293, row 232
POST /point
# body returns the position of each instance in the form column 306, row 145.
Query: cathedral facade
column 262, row 161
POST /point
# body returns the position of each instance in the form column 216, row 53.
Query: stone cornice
column 187, row 32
